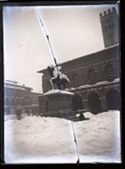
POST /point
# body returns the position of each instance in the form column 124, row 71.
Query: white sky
column 74, row 31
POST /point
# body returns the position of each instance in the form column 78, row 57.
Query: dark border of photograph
column 32, row 3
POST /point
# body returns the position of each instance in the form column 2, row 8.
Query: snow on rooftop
column 98, row 51
column 55, row 91
column 102, row 82
column 107, row 82
column 116, row 80
column 84, row 86
column 93, row 85
column 14, row 87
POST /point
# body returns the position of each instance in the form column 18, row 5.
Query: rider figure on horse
column 57, row 77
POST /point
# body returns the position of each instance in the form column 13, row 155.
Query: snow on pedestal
column 57, row 103
column 57, row 91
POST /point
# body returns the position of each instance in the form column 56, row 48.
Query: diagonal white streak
column 40, row 21
column 74, row 135
column 46, row 34
column 76, row 143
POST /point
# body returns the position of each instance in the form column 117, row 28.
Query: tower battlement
column 108, row 12
column 110, row 29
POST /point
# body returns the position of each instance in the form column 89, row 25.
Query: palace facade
column 19, row 97
column 95, row 78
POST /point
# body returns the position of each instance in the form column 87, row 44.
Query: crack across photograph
column 62, row 97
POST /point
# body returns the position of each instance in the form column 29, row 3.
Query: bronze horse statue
column 57, row 77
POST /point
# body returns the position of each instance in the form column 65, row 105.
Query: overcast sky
column 74, row 31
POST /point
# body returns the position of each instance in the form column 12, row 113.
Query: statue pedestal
column 56, row 103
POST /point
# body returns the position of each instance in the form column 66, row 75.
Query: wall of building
column 91, row 77
column 95, row 78
column 101, row 66
column 100, row 97
column 20, row 98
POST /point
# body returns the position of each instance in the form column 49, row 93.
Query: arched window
column 75, row 80
column 77, row 103
column 109, row 72
column 94, row 102
column 113, row 99
column 91, row 76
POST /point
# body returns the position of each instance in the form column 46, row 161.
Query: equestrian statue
column 57, row 77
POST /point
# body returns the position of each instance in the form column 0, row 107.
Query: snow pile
column 48, row 140
column 99, row 137
column 39, row 139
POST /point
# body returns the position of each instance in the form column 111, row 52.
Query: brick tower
column 110, row 27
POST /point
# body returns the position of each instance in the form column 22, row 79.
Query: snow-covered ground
column 99, row 137
column 50, row 140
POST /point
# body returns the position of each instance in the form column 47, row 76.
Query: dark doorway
column 77, row 103
column 113, row 99
column 94, row 102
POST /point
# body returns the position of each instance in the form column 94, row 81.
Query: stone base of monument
column 56, row 103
